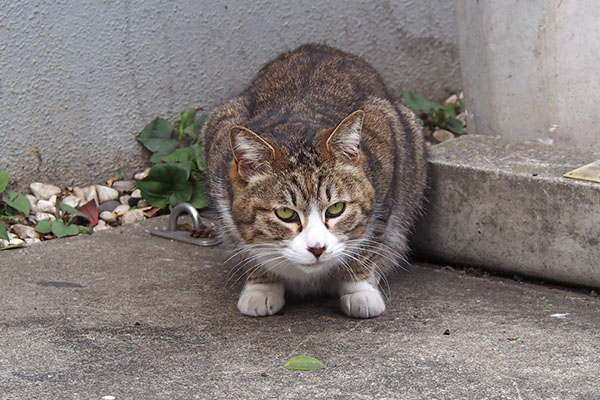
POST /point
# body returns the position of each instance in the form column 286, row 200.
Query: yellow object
column 589, row 172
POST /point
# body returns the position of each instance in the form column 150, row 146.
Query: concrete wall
column 530, row 69
column 79, row 79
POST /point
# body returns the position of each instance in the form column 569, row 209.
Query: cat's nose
column 317, row 251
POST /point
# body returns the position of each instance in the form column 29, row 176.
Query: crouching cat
column 317, row 177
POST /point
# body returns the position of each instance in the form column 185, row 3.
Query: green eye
column 335, row 210
column 286, row 214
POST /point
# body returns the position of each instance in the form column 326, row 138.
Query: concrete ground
column 126, row 315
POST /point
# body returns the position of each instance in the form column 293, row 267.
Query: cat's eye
column 286, row 214
column 335, row 210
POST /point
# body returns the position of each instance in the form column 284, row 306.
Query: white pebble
column 48, row 206
column 101, row 226
column 108, row 216
column 32, row 202
column 106, row 193
column 25, row 232
column 32, row 240
column 462, row 118
column 123, row 186
column 123, row 208
column 450, row 101
column 137, row 193
column 142, row 203
column 72, row 201
column 441, row 135
column 124, row 199
column 132, row 216
column 42, row 216
column 141, row 175
column 108, row 398
column 43, row 191
column 85, row 193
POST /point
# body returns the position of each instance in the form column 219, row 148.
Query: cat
column 317, row 177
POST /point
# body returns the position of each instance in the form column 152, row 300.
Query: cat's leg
column 360, row 298
column 261, row 296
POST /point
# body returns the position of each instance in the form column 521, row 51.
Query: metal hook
column 185, row 236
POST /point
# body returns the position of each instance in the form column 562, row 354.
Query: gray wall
column 79, row 79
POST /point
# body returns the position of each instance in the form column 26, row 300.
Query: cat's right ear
column 253, row 155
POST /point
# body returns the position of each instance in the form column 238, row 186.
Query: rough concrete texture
column 129, row 315
column 505, row 205
column 528, row 68
column 80, row 79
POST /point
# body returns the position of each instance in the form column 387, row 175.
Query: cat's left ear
column 344, row 141
column 253, row 155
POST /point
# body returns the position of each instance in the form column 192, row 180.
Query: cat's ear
column 344, row 141
column 253, row 155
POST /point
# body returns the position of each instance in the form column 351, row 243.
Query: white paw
column 258, row 300
column 361, row 300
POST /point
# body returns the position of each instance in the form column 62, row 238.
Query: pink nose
column 317, row 251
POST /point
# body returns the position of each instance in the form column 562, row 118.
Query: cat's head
column 298, row 214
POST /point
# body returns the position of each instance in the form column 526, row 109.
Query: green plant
column 12, row 203
column 178, row 173
column 63, row 225
column 435, row 115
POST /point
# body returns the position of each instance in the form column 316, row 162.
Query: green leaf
column 3, row 180
column 186, row 124
column 166, row 183
column 180, row 155
column 199, row 157
column 12, row 246
column 200, row 197
column 17, row 201
column 183, row 194
column 156, row 134
column 455, row 126
column 68, row 209
column 85, row 229
column 455, row 91
column 4, row 233
column 417, row 103
column 167, row 148
column 304, row 363
column 44, row 227
column 449, row 113
column 60, row 230
column 200, row 122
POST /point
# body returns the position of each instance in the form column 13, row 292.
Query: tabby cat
column 317, row 177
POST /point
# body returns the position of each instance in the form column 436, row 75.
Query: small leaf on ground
column 4, row 233
column 417, row 103
column 17, row 201
column 304, row 363
column 60, row 230
column 68, row 209
column 90, row 211
column 44, row 227
column 3, row 180
column 11, row 246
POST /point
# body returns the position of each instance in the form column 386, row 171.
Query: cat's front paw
column 361, row 300
column 262, row 299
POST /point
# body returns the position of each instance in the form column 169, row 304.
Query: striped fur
column 315, row 127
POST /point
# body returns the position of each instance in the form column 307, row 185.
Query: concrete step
column 506, row 206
